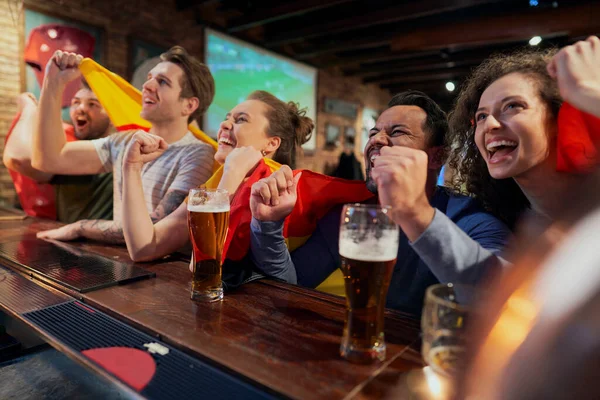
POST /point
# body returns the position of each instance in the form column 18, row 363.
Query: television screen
column 239, row 68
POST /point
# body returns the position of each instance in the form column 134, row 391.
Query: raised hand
column 143, row 148
column 273, row 198
column 401, row 176
column 576, row 69
column 63, row 68
column 242, row 161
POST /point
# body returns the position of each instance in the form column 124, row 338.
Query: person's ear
column 190, row 105
column 273, row 144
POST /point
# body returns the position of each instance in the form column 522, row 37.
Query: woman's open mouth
column 499, row 150
column 226, row 142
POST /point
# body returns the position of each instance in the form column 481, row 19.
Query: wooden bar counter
column 279, row 336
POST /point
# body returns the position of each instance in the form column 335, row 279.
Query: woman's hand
column 273, row 198
column 242, row 161
column 238, row 165
column 576, row 69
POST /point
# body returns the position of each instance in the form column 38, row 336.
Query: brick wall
column 335, row 86
column 10, row 77
column 160, row 23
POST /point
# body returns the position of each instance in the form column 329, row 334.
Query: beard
column 371, row 185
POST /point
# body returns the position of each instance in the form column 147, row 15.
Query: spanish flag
column 578, row 140
column 317, row 193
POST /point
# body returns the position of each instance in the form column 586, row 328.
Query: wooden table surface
column 282, row 336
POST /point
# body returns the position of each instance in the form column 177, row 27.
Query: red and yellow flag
column 317, row 195
column 578, row 140
column 122, row 101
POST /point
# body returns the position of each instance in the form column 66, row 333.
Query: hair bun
column 303, row 125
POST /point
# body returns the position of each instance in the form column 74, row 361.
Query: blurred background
column 341, row 59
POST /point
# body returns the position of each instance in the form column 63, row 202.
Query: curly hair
column 502, row 197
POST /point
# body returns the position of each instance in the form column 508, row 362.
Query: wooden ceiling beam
column 432, row 76
column 185, row 4
column 503, row 28
column 372, row 56
column 404, row 12
column 385, row 70
column 286, row 9
column 366, row 43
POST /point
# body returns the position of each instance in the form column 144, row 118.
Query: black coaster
column 176, row 376
column 71, row 267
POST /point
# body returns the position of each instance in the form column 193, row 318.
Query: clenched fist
column 143, row 148
column 241, row 161
column 63, row 67
column 401, row 175
column 576, row 69
column 273, row 198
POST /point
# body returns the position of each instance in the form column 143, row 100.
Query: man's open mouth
column 81, row 122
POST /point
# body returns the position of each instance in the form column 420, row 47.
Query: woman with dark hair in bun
column 260, row 127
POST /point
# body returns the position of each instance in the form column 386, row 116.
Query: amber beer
column 208, row 224
column 367, row 263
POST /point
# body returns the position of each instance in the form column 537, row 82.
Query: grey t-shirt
column 186, row 164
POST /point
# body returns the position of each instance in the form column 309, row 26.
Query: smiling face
column 514, row 127
column 245, row 125
column 397, row 126
column 88, row 116
column 161, row 101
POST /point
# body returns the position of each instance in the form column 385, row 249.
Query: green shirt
column 83, row 197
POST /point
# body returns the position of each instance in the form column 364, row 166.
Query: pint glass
column 368, row 251
column 208, row 222
column 445, row 324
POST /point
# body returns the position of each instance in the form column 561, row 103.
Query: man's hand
column 274, row 198
column 143, row 148
column 576, row 69
column 64, row 233
column 242, row 161
column 401, row 175
column 62, row 68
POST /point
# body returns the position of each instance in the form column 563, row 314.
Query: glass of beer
column 368, row 250
column 208, row 222
column 446, row 316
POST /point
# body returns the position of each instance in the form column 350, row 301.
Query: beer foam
column 371, row 248
column 206, row 208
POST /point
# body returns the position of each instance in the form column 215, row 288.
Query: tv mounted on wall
column 240, row 68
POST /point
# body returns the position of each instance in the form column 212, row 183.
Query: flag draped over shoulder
column 122, row 101
column 317, row 195
column 578, row 140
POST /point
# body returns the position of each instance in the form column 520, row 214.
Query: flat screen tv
column 239, row 68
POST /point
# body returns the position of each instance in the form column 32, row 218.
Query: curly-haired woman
column 504, row 127
column 503, row 134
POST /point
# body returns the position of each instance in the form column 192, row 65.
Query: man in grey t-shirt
column 178, row 90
